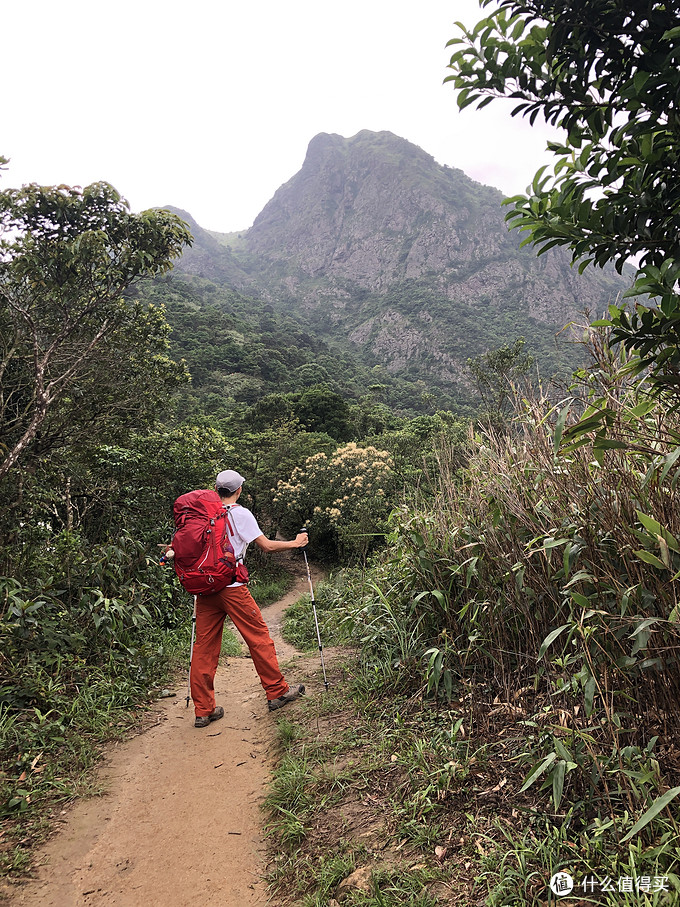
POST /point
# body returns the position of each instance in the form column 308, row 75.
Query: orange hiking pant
column 211, row 610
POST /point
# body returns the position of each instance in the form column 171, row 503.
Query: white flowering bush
column 343, row 498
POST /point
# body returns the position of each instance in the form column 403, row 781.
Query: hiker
column 236, row 601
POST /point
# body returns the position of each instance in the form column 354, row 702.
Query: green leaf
column 588, row 423
column 448, row 684
column 559, row 426
column 582, row 575
column 580, row 600
column 640, row 79
column 643, row 625
column 549, row 543
column 562, row 750
column 650, row 558
column 558, row 782
column 650, row 524
column 670, row 461
column 643, row 409
column 570, row 448
column 440, row 598
column 589, row 695
column 610, row 444
column 657, row 806
column 537, row 771
column 550, row 638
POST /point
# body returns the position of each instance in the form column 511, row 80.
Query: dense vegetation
column 512, row 709
column 122, row 388
column 242, row 349
column 86, row 608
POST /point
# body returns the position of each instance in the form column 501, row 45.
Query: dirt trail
column 180, row 824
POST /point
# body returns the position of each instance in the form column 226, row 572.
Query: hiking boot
column 204, row 720
column 292, row 694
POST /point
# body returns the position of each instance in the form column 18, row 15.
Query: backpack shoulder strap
column 227, row 509
column 230, row 529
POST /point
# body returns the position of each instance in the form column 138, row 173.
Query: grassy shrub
column 298, row 626
column 547, row 569
column 269, row 581
column 80, row 647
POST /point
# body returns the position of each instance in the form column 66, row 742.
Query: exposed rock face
column 375, row 209
column 411, row 261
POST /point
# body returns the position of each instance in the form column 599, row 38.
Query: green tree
column 608, row 73
column 73, row 341
column 416, row 445
column 269, row 410
column 495, row 373
column 320, row 409
column 266, row 456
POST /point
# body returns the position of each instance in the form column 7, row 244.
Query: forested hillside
column 239, row 349
column 374, row 247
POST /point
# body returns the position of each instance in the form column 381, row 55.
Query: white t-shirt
column 242, row 529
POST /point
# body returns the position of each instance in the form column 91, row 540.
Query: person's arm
column 265, row 544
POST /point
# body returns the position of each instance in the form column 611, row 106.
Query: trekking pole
column 316, row 619
column 191, row 652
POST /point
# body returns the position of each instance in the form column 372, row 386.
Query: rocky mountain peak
column 408, row 261
column 365, row 209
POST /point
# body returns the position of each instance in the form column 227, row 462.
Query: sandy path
column 180, row 824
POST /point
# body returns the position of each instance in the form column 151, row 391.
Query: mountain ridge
column 407, row 262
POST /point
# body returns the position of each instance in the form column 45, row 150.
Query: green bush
column 343, row 498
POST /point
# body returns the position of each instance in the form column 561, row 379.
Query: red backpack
column 204, row 557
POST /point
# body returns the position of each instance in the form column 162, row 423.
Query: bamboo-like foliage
column 554, row 555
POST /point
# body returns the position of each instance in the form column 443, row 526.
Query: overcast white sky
column 209, row 106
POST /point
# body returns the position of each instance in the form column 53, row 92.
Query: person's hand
column 301, row 539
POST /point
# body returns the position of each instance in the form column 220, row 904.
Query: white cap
column 229, row 479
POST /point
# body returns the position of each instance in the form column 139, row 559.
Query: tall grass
column 560, row 562
column 546, row 568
